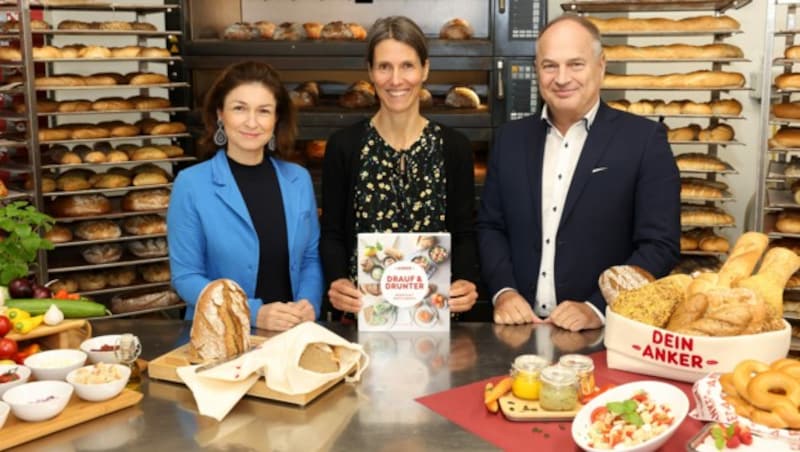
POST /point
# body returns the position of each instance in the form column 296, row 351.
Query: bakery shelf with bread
column 695, row 215
column 696, row 162
column 703, row 190
column 74, row 262
column 657, row 108
column 702, row 80
column 82, row 52
column 714, row 53
column 694, row 23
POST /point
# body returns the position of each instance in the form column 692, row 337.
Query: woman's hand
column 463, row 295
column 280, row 316
column 344, row 296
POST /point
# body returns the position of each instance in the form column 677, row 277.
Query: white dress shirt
column 561, row 155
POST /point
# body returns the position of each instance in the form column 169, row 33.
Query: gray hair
column 594, row 32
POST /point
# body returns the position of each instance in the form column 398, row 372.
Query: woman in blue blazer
column 246, row 214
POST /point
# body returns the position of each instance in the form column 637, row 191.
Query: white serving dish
column 4, row 410
column 659, row 392
column 95, row 343
column 97, row 392
column 23, row 372
column 39, row 400
column 55, row 364
column 637, row 347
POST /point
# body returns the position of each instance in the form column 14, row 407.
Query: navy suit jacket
column 623, row 206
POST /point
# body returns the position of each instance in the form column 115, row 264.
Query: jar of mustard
column 525, row 371
column 584, row 367
column 559, row 390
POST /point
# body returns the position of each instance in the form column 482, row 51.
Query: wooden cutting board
column 16, row 432
column 67, row 334
column 521, row 410
column 165, row 368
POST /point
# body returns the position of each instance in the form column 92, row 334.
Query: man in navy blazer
column 574, row 190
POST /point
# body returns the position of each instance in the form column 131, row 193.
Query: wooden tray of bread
column 164, row 368
column 16, row 432
column 521, row 410
column 67, row 334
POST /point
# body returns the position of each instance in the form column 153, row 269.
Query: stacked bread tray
column 700, row 126
column 110, row 233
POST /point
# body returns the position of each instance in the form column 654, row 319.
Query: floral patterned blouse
column 400, row 191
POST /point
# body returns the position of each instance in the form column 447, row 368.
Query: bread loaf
column 688, row 243
column 221, row 324
column 155, row 272
column 94, row 52
column 786, row 137
column 787, row 110
column 620, row 278
column 143, row 26
column 699, row 23
column 672, row 52
column 264, row 28
column 360, row 94
column 289, row 31
column 719, row 312
column 116, row 25
column 146, row 200
column 696, row 79
column 12, row 25
column 239, row 31
column 112, row 103
column 731, row 107
column 145, row 225
column 462, row 97
column 653, row 303
column 743, row 258
column 125, row 52
column 97, row 230
column 91, row 281
column 687, row 133
column 720, row 132
column 693, row 161
column 80, row 205
column 642, row 107
column 788, row 222
column 71, row 106
column 148, row 103
column 154, row 52
column 691, row 189
column 778, row 266
column 102, row 254
column 315, row 149
column 788, row 81
column 694, row 215
column 148, row 248
column 305, row 94
column 119, row 277
column 64, row 283
column 425, row 98
column 792, row 52
column 58, row 234
column 139, row 302
column 456, row 28
column 46, row 53
column 146, row 78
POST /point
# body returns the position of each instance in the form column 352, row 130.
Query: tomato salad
column 622, row 424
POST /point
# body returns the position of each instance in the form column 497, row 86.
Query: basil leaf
column 630, row 406
column 633, row 418
column 616, row 407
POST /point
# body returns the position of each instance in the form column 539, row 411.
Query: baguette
column 699, row 23
column 743, row 258
column 778, row 266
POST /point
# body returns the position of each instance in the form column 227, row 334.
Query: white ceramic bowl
column 97, row 392
column 92, row 347
column 55, row 364
column 39, row 400
column 4, row 410
column 660, row 393
column 23, row 372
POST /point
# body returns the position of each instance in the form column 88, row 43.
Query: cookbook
column 404, row 279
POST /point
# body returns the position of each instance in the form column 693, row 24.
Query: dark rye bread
column 221, row 325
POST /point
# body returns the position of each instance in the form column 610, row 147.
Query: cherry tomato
column 5, row 325
column 8, row 347
column 598, row 414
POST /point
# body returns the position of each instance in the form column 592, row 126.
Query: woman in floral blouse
column 397, row 172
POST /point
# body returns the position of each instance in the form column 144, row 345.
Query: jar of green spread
column 559, row 389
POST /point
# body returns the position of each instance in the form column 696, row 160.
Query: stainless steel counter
column 379, row 413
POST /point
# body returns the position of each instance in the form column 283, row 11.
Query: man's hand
column 280, row 316
column 463, row 295
column 344, row 296
column 575, row 316
column 511, row 309
column 306, row 310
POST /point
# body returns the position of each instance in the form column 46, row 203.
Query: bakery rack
column 713, row 147
column 65, row 258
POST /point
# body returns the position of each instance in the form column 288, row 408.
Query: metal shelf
column 146, row 311
column 15, row 195
column 712, row 116
column 781, row 199
column 678, row 89
column 109, row 6
column 694, row 225
column 110, row 216
column 122, row 164
column 98, row 60
column 103, row 112
column 123, row 238
column 720, row 143
column 596, row 6
column 96, row 87
column 106, row 191
column 144, row 33
column 671, row 33
column 124, row 262
column 112, row 139
column 731, row 171
column 677, row 60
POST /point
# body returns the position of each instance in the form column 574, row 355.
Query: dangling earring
column 220, row 139
column 271, row 144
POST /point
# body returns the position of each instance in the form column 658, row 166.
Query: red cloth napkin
column 464, row 406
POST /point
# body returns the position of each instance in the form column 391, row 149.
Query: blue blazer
column 622, row 207
column 211, row 235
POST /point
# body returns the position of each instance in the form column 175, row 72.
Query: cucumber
column 72, row 309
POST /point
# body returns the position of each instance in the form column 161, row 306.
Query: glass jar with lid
column 584, row 367
column 559, row 389
column 525, row 371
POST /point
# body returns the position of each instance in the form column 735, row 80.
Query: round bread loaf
column 111, row 180
column 788, row 110
column 146, row 200
column 265, row 29
column 102, row 254
column 462, row 97
column 240, row 31
column 88, row 281
column 80, row 205
column 289, row 31
column 58, row 234
column 125, row 52
column 221, row 325
column 145, row 225
column 48, row 183
column 305, row 94
column 620, row 278
column 97, row 230
column 788, row 222
column 148, row 248
column 63, row 283
column 149, row 178
column 360, row 94
column 456, row 28
column 74, row 180
column 155, row 272
column 336, row 30
column 112, row 103
column 118, row 277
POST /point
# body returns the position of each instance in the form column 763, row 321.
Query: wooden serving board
column 165, row 368
column 521, row 410
column 67, row 334
column 16, row 432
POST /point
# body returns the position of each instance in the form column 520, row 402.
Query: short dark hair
column 583, row 22
column 244, row 73
column 399, row 28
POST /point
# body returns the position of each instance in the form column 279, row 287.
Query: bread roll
column 313, row 30
column 289, row 31
column 92, row 156
column 787, row 110
column 116, row 155
column 147, row 78
column 730, row 107
column 694, row 215
column 125, row 52
column 788, row 81
column 264, row 28
column 112, row 103
column 221, row 324
column 688, row 133
column 148, row 103
column 462, row 97
column 240, row 31
column 456, row 28
column 359, row 33
column 155, row 272
column 58, row 234
column 305, row 94
column 97, row 230
column 360, row 94
column 94, row 52
column 88, row 281
column 80, row 205
column 102, row 254
column 743, row 258
column 777, row 267
column 145, row 225
column 147, row 153
column 720, row 132
column 64, row 156
column 792, row 52
column 788, row 222
column 64, row 283
column 146, row 200
column 154, row 52
column 71, row 106
column 700, row 162
column 148, row 248
column 786, row 137
column 119, row 277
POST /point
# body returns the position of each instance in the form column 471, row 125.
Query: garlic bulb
column 53, row 316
